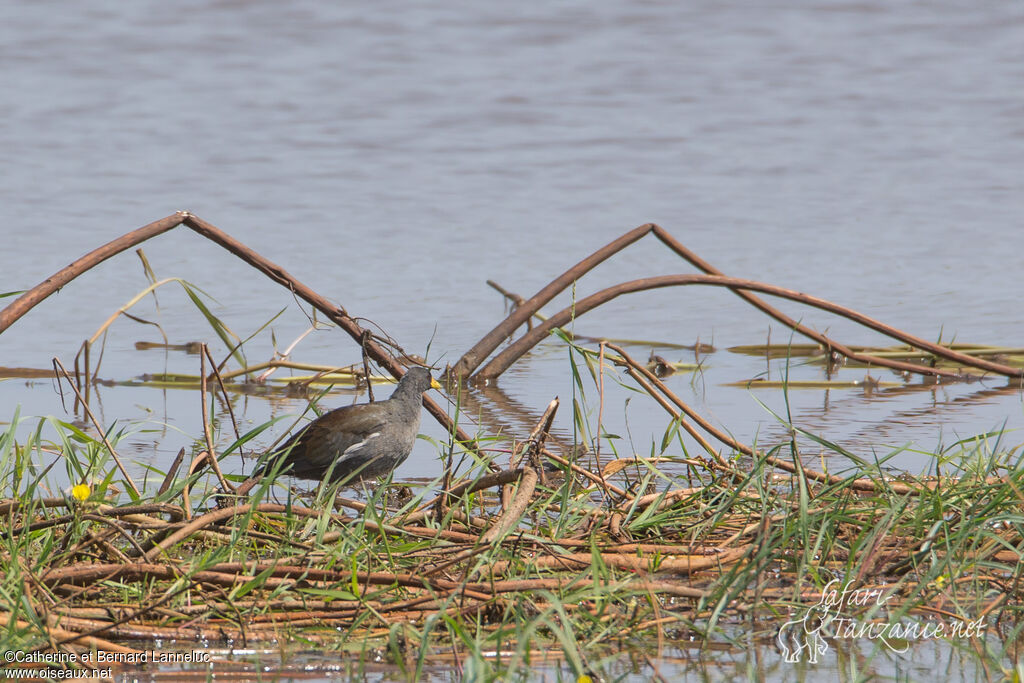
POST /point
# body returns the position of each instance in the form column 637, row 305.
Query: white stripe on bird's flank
column 356, row 446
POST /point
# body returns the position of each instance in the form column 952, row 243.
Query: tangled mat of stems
column 565, row 565
column 542, row 556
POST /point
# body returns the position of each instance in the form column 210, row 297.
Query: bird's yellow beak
column 434, row 384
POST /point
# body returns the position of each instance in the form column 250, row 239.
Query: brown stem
column 510, row 354
column 172, row 471
column 599, row 480
column 207, row 429
column 333, row 311
column 690, row 429
column 505, row 522
column 55, row 631
column 858, row 484
column 275, row 272
column 516, row 509
column 535, row 442
column 472, row 359
column 488, row 480
column 28, row 300
column 678, row 564
column 227, row 399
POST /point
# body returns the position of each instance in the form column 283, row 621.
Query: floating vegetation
column 815, row 353
column 901, row 351
column 192, row 347
column 563, row 561
column 523, row 553
column 868, row 383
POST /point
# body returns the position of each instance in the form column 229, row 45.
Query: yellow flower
column 81, row 491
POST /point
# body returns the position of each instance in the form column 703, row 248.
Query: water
column 842, row 661
column 394, row 157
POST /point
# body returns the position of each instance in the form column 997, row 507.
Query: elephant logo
column 798, row 636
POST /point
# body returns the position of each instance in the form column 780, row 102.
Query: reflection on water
column 760, row 660
column 868, row 421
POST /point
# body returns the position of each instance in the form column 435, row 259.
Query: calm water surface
column 396, row 156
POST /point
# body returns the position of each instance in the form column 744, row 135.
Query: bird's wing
column 330, row 441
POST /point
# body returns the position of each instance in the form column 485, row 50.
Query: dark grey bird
column 361, row 441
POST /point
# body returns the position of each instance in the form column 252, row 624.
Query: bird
column 354, row 443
